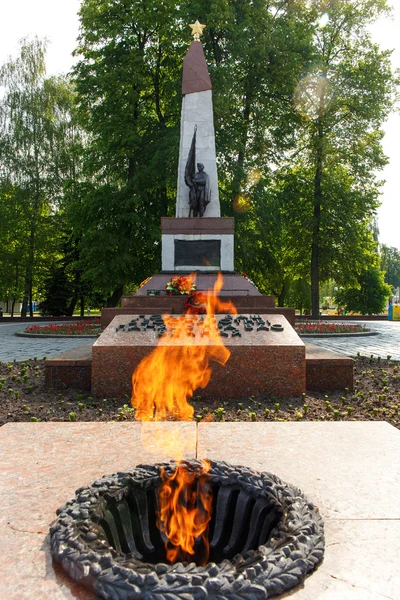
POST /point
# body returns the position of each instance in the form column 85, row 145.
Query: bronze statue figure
column 198, row 183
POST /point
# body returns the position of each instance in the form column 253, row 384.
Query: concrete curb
column 53, row 335
column 336, row 335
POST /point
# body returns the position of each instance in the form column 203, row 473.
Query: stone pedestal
column 261, row 362
column 197, row 244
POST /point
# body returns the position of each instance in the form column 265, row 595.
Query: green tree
column 370, row 295
column 128, row 83
column 343, row 99
column 35, row 120
column 390, row 264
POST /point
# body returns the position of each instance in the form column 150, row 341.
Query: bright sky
column 57, row 21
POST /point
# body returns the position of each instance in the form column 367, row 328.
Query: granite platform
column 355, row 485
column 261, row 361
column 325, row 370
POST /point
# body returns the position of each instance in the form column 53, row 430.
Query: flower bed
column 323, row 327
column 76, row 328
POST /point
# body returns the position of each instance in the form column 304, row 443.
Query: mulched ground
column 24, row 397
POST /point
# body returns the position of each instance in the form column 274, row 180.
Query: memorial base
column 261, row 362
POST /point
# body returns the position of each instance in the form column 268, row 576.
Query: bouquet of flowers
column 179, row 285
column 196, row 303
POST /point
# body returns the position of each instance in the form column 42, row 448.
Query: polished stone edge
column 337, row 335
column 54, row 335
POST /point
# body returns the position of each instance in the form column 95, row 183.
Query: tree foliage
column 35, row 125
column 343, row 99
column 300, row 92
column 390, row 264
column 369, row 297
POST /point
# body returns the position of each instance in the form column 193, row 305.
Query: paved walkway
column 13, row 347
column 386, row 342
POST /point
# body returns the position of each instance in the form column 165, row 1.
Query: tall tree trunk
column 239, row 174
column 315, row 237
column 29, row 270
column 115, row 297
column 282, row 294
column 315, row 243
column 30, row 301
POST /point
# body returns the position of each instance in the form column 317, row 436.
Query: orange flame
column 169, row 375
column 162, row 384
column 185, row 511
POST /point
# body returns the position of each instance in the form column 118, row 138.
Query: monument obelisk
column 198, row 238
column 197, row 117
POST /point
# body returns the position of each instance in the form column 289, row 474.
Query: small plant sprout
column 349, row 410
column 253, row 416
column 25, row 408
column 267, row 412
column 81, row 406
column 389, row 356
column 303, row 397
column 277, row 407
column 72, row 416
column 336, row 415
column 34, row 420
column 305, row 409
column 198, row 418
column 220, row 413
column 299, row 416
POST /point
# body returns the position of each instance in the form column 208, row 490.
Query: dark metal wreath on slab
column 265, row 537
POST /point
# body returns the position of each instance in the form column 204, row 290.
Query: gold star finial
column 197, row 30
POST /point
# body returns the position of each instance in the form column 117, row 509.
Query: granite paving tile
column 350, row 469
